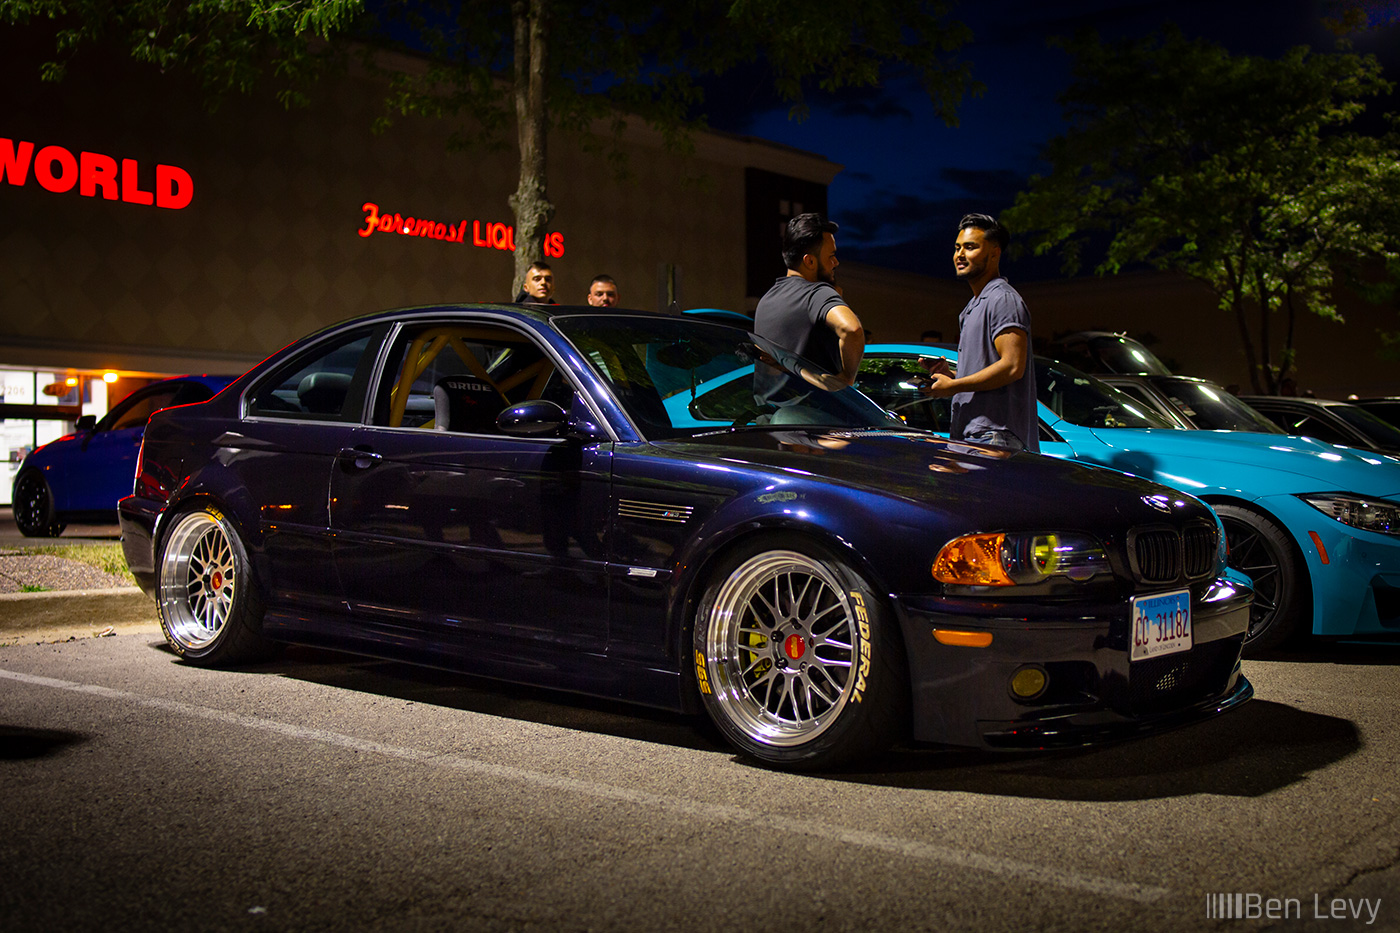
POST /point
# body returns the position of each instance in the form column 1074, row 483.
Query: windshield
column 1211, row 408
column 1083, row 400
column 1382, row 432
column 678, row 378
column 895, row 383
column 1126, row 355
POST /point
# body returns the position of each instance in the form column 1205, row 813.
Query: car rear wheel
column 206, row 597
column 34, row 508
column 798, row 659
column 1265, row 553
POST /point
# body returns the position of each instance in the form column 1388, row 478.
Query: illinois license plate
column 1161, row 624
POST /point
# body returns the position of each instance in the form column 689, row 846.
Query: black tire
column 1265, row 553
column 33, row 507
column 798, row 660
column 206, row 597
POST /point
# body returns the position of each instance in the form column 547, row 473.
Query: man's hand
column 940, row 387
column 936, row 365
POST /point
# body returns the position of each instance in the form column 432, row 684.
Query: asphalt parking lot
column 328, row 792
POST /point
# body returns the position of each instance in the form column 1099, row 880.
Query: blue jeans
column 996, row 439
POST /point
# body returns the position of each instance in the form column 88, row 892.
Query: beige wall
column 1175, row 315
column 269, row 248
column 1184, row 326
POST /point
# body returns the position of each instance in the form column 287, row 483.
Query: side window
column 136, row 412
column 459, row 376
column 1318, row 429
column 319, row 387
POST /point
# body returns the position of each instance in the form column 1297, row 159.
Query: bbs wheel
column 33, row 507
column 1265, row 553
column 797, row 658
column 205, row 595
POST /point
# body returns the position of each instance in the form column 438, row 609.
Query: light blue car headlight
column 1376, row 515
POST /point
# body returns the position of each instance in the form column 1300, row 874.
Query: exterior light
column 110, row 378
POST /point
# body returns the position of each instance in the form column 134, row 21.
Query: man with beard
column 804, row 311
column 994, row 395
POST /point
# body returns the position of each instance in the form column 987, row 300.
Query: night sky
column 908, row 177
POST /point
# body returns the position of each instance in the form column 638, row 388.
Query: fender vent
column 654, row 511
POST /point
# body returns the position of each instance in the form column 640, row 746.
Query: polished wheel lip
column 776, row 690
column 198, row 580
column 1263, row 612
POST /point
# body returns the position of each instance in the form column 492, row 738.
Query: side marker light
column 947, row 636
column 1320, row 549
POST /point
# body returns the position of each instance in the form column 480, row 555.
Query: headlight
column 1012, row 560
column 1367, row 514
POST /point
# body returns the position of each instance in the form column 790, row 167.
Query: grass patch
column 105, row 557
column 33, row 588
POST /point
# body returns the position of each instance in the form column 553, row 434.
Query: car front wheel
column 206, row 597
column 1265, row 553
column 798, row 659
column 34, row 508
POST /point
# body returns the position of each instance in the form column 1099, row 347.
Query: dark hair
column 600, row 277
column 990, row 227
column 540, row 265
column 803, row 235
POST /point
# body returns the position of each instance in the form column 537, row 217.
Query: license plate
column 1161, row 624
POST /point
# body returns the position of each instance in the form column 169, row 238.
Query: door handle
column 359, row 458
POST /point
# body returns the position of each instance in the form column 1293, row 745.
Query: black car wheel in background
column 34, row 508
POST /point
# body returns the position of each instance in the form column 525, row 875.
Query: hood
column 1302, row 463
column 990, row 487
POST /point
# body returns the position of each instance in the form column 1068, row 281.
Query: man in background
column 539, row 285
column 602, row 291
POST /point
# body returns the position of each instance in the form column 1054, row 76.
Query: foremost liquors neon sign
column 95, row 175
column 488, row 235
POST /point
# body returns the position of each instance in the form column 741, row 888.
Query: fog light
column 1029, row 682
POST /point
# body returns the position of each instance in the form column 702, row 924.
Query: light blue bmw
column 1317, row 527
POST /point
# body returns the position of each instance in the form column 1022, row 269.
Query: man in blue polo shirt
column 994, row 398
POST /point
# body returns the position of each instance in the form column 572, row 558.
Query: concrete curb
column 77, row 612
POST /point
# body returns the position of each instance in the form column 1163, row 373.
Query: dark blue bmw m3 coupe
column 558, row 497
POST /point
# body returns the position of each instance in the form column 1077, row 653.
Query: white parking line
column 717, row 813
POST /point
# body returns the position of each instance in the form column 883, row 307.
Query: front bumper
column 1353, row 575
column 1094, row 693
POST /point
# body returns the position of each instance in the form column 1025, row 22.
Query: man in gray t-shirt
column 804, row 311
column 994, row 398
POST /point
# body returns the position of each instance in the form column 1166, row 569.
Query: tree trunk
column 1266, row 350
column 1236, row 285
column 530, row 201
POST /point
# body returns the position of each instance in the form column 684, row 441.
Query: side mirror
column 535, row 418
column 86, row 422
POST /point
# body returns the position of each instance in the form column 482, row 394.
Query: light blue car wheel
column 1265, row 553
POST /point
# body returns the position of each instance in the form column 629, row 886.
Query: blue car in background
column 1315, row 526
column 80, row 476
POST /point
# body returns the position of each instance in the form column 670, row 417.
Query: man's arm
column 850, row 336
column 1013, row 356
